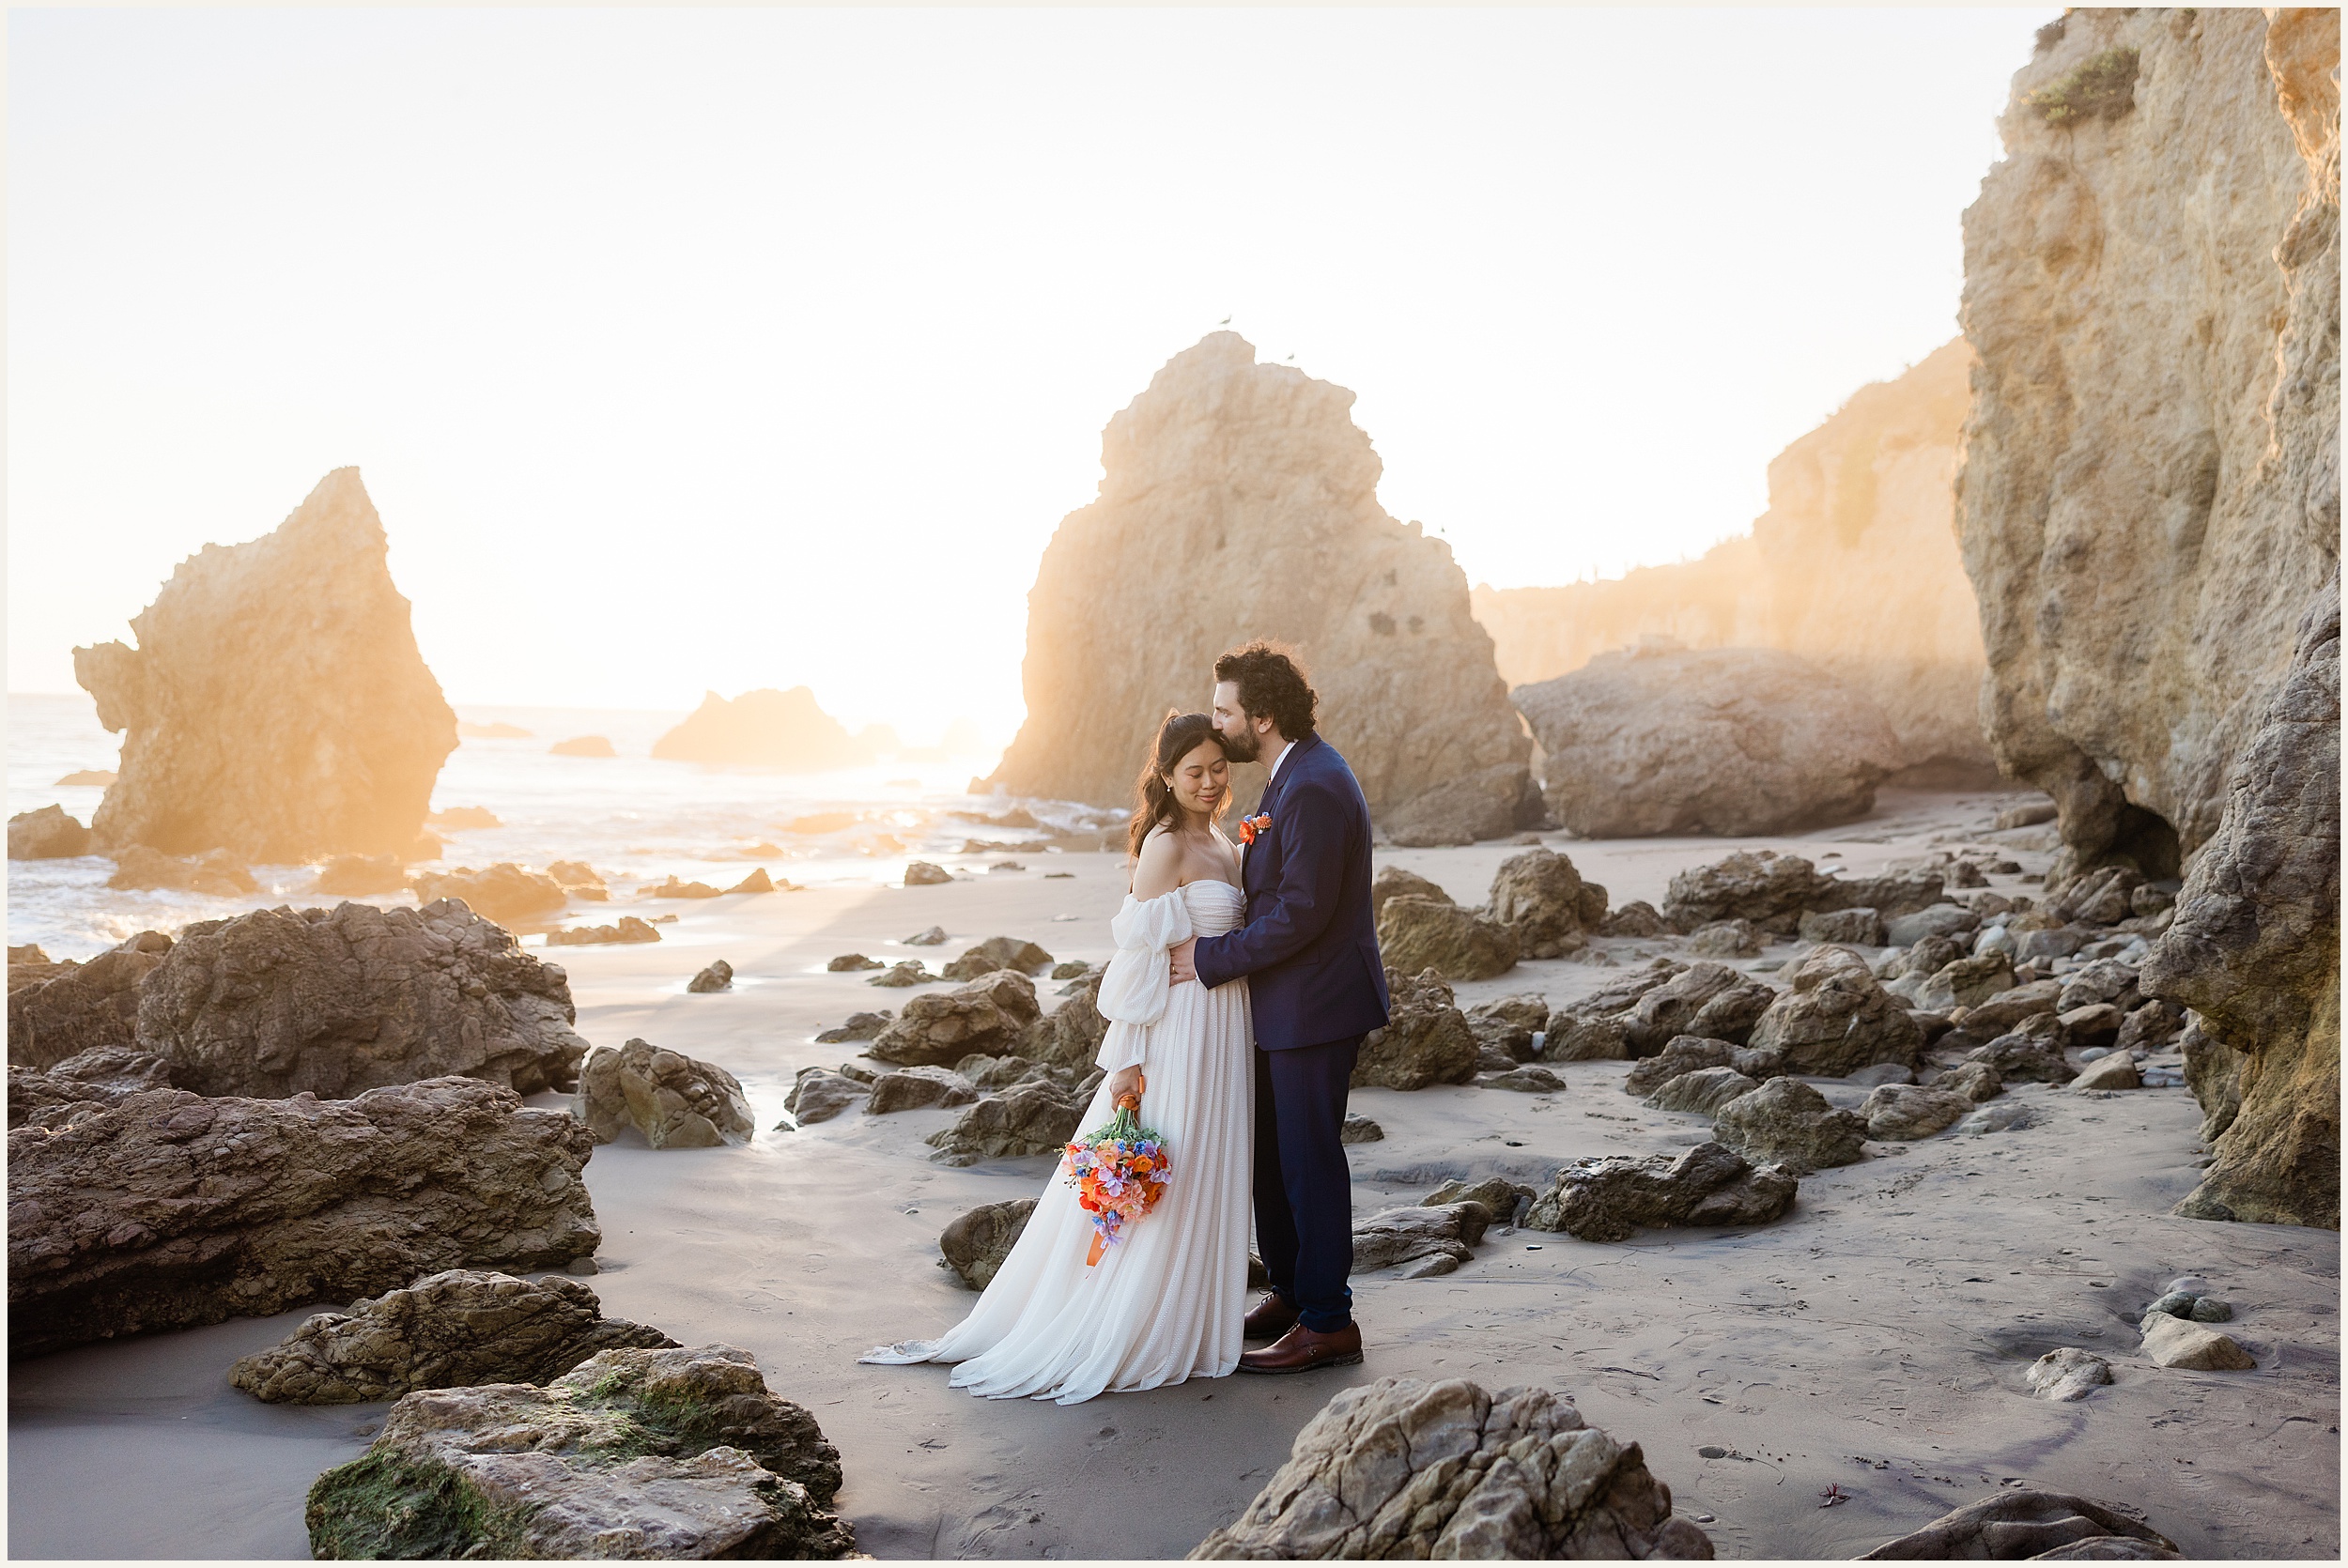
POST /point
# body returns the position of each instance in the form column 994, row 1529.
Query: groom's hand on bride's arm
column 1184, row 966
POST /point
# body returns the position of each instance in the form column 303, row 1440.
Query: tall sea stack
column 1241, row 500
column 276, row 704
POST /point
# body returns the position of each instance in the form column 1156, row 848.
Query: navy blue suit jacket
column 1309, row 948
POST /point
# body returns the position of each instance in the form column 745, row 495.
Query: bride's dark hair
column 1154, row 797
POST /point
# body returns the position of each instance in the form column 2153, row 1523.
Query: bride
column 1165, row 1302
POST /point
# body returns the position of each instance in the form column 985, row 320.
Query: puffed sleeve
column 1135, row 986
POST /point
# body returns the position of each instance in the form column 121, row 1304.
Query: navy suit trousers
column 1303, row 1186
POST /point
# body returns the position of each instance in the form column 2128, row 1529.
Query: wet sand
column 1873, row 1341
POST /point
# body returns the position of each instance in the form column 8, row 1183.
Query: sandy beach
column 1873, row 1341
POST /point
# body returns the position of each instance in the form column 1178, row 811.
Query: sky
column 714, row 349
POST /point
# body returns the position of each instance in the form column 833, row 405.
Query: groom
column 1316, row 986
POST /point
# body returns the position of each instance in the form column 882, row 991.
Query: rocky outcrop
column 1775, row 891
column 1223, row 459
column 1612, row 1198
column 993, row 1014
column 2149, row 496
column 1724, row 740
column 47, row 834
column 2254, row 950
column 1406, row 1468
column 338, row 1001
column 639, row 1453
column 2019, row 1524
column 453, row 1329
column 82, row 1007
column 765, row 728
column 1426, row 1040
column 1415, row 934
column 1854, row 568
column 81, row 1085
column 676, row 1102
column 975, row 1244
column 297, row 633
column 504, row 893
column 169, row 1210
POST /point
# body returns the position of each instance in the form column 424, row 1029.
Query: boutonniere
column 1252, row 828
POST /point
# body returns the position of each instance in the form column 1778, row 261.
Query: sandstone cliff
column 1854, row 567
column 2150, row 497
column 1241, row 500
column 276, row 704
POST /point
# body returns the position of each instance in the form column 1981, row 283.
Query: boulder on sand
column 1406, row 1468
column 1732, row 741
column 919, row 1088
column 1225, row 459
column 675, row 1101
column 1684, row 1053
column 82, row 1007
column 1539, row 895
column 712, row 978
column 818, row 1094
column 297, row 633
column 1421, row 1240
column 2031, row 1052
column 1786, row 1122
column 975, row 1244
column 1710, row 1000
column 1034, row 1118
column 999, row 952
column 1508, row 1024
column 1701, row 1092
column 453, row 1329
column 169, row 1210
column 1612, row 1197
column 1426, row 1039
column 1901, row 1112
column 1415, row 934
column 764, row 727
column 2013, row 1525
column 640, row 1454
column 920, row 873
column 1393, row 881
column 335, row 1001
column 1769, row 889
column 992, row 1014
column 47, row 834
column 504, row 893
column 1836, row 1019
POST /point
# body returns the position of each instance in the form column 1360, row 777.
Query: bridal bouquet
column 1118, row 1171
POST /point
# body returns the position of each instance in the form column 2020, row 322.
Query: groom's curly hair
column 1271, row 684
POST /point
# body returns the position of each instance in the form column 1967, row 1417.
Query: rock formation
column 1541, row 897
column 1034, row 1118
column 47, row 834
column 1854, row 568
column 84, row 1006
column 276, row 704
column 1224, row 460
column 991, row 1014
column 639, row 1453
column 1426, row 1039
column 1415, row 934
column 1727, row 740
column 675, row 1101
column 767, row 728
column 1406, row 1468
column 975, row 1244
column 453, row 1329
column 1612, row 1197
column 2150, row 497
column 168, row 1210
column 1421, row 1241
column 1786, row 1122
column 2023, row 1524
column 338, row 1001
column 2254, row 951
column 1836, row 1019
column 81, row 1085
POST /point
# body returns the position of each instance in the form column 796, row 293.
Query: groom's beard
column 1245, row 746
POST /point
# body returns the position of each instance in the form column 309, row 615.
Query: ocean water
column 633, row 818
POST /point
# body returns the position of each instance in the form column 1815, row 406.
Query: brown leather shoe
column 1300, row 1350
column 1273, row 1316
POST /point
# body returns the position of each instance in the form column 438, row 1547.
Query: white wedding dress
column 1165, row 1303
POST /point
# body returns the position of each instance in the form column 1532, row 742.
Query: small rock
column 1899, row 1113
column 1443, row 1235
column 1359, row 1128
column 1852, row 927
column 1786, row 1122
column 1034, row 1118
column 860, row 1026
column 1498, row 1194
column 717, row 976
column 675, row 1101
column 1416, row 935
column 1070, row 969
column 849, row 963
column 1684, row 1054
column 920, row 873
column 2209, row 1309
column 757, row 882
column 1426, row 1039
column 47, row 834
column 1976, row 1080
column 1701, row 1092
column 2174, row 1342
column 1531, row 1080
column 1610, row 1198
column 2176, row 1303
column 904, row 972
column 1880, row 1074
column 820, row 1095
column 933, row 937
column 1725, row 939
column 976, row 1243
column 2008, row 1117
column 2067, row 1375
column 998, row 953
column 2114, row 1071
column 917, row 1088
column 630, row 928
